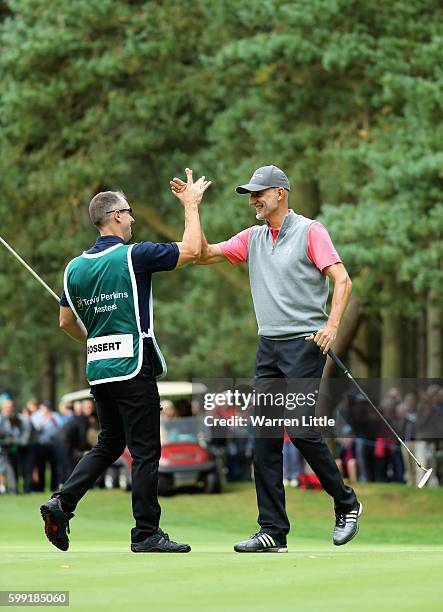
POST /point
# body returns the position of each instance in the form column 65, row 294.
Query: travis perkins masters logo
column 102, row 297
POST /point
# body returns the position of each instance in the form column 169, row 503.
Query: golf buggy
column 186, row 461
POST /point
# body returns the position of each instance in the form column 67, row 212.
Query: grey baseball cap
column 264, row 178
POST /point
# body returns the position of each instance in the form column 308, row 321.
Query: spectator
column 66, row 410
column 15, row 435
column 407, row 413
column 31, row 407
column 365, row 424
column 73, row 436
column 196, row 407
column 292, row 463
column 239, row 450
column 427, row 426
column 388, row 459
column 92, row 430
column 183, row 408
column 166, row 415
column 47, row 423
column 346, row 460
column 7, row 476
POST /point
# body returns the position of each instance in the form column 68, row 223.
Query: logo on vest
column 117, row 346
column 97, row 301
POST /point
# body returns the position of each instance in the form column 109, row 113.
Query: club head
column 426, row 477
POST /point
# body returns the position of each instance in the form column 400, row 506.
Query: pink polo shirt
column 321, row 250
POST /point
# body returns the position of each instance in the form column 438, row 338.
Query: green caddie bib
column 102, row 292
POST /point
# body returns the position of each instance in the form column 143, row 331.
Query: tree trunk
column 73, row 373
column 307, row 200
column 421, row 346
column 411, row 349
column 81, row 381
column 434, row 337
column 391, row 349
column 346, row 333
column 47, row 384
column 359, row 353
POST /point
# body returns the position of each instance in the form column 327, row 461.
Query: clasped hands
column 189, row 193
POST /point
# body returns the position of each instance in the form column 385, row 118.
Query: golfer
column 108, row 289
column 290, row 260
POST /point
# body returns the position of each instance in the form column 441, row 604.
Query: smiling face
column 267, row 202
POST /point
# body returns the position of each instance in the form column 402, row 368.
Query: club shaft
column 345, row 370
column 30, row 270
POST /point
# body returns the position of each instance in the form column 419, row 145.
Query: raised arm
column 210, row 254
column 190, row 246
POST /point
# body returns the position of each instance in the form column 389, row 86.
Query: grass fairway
column 395, row 562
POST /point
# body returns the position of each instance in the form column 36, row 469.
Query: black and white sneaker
column 159, row 542
column 260, row 542
column 346, row 525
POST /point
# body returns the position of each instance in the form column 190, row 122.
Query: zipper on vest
column 274, row 244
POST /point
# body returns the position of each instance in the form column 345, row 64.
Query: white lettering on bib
column 110, row 347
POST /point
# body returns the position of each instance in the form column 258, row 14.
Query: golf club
column 36, row 276
column 344, row 369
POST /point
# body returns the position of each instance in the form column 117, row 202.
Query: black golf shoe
column 346, row 525
column 159, row 542
column 260, row 542
column 56, row 523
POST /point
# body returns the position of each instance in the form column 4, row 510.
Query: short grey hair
column 102, row 203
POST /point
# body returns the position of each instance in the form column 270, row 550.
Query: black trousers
column 291, row 359
column 46, row 453
column 129, row 414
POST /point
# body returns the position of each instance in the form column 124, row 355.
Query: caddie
column 107, row 303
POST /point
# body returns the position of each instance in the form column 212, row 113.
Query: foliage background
column 345, row 96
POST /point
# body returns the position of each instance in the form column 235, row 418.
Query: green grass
column 395, row 562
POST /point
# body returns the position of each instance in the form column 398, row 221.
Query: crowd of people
column 368, row 451
column 39, row 437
